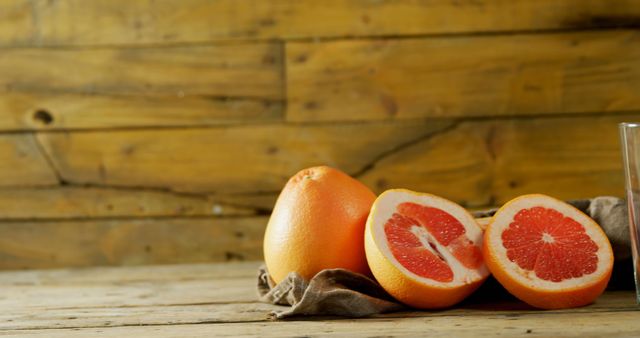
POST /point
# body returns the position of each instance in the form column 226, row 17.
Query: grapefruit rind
column 483, row 222
column 405, row 285
column 524, row 284
column 317, row 223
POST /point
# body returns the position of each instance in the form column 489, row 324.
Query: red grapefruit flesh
column 424, row 250
column 548, row 253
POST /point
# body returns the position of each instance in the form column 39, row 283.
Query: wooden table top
column 207, row 300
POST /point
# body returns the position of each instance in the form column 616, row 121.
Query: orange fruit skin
column 543, row 299
column 318, row 223
column 561, row 299
column 407, row 290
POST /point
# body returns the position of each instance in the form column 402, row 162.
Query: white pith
column 385, row 206
column 504, row 217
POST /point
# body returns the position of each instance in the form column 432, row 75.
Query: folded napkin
column 331, row 292
column 340, row 292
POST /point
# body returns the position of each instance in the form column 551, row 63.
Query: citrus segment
column 548, row 253
column 408, row 249
column 424, row 250
column 466, row 252
column 553, row 246
column 441, row 225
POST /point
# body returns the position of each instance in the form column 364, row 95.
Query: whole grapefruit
column 318, row 223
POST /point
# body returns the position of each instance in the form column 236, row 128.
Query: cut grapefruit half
column 424, row 250
column 547, row 253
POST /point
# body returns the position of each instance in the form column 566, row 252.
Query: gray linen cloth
column 339, row 292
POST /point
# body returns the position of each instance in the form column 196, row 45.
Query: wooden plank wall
column 162, row 131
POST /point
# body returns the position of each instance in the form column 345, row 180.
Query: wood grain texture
column 219, row 299
column 74, row 22
column 243, row 159
column 618, row 324
column 45, row 110
column 48, row 316
column 77, row 202
column 17, row 22
column 139, row 315
column 115, row 275
column 480, row 163
column 132, row 87
column 476, row 163
column 560, row 73
column 126, row 242
column 143, row 293
column 210, row 71
column 22, row 163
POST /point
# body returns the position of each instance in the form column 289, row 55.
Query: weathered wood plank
column 116, row 276
column 196, row 293
column 139, row 315
column 464, row 76
column 92, row 291
column 477, row 162
column 242, row 159
column 209, row 71
column 534, row 160
column 491, row 161
column 49, row 244
column 112, row 316
column 133, row 87
column 17, row 22
column 42, row 22
column 550, row 324
column 69, row 202
column 22, row 163
column 42, row 109
column 128, row 294
column 261, row 202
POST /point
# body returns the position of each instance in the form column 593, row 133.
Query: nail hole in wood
column 43, row 116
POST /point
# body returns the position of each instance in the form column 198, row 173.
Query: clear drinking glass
column 630, row 142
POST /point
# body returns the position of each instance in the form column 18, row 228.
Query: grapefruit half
column 424, row 250
column 547, row 253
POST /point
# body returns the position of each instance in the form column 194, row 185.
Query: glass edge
column 629, row 124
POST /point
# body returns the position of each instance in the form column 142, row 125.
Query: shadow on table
column 492, row 297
